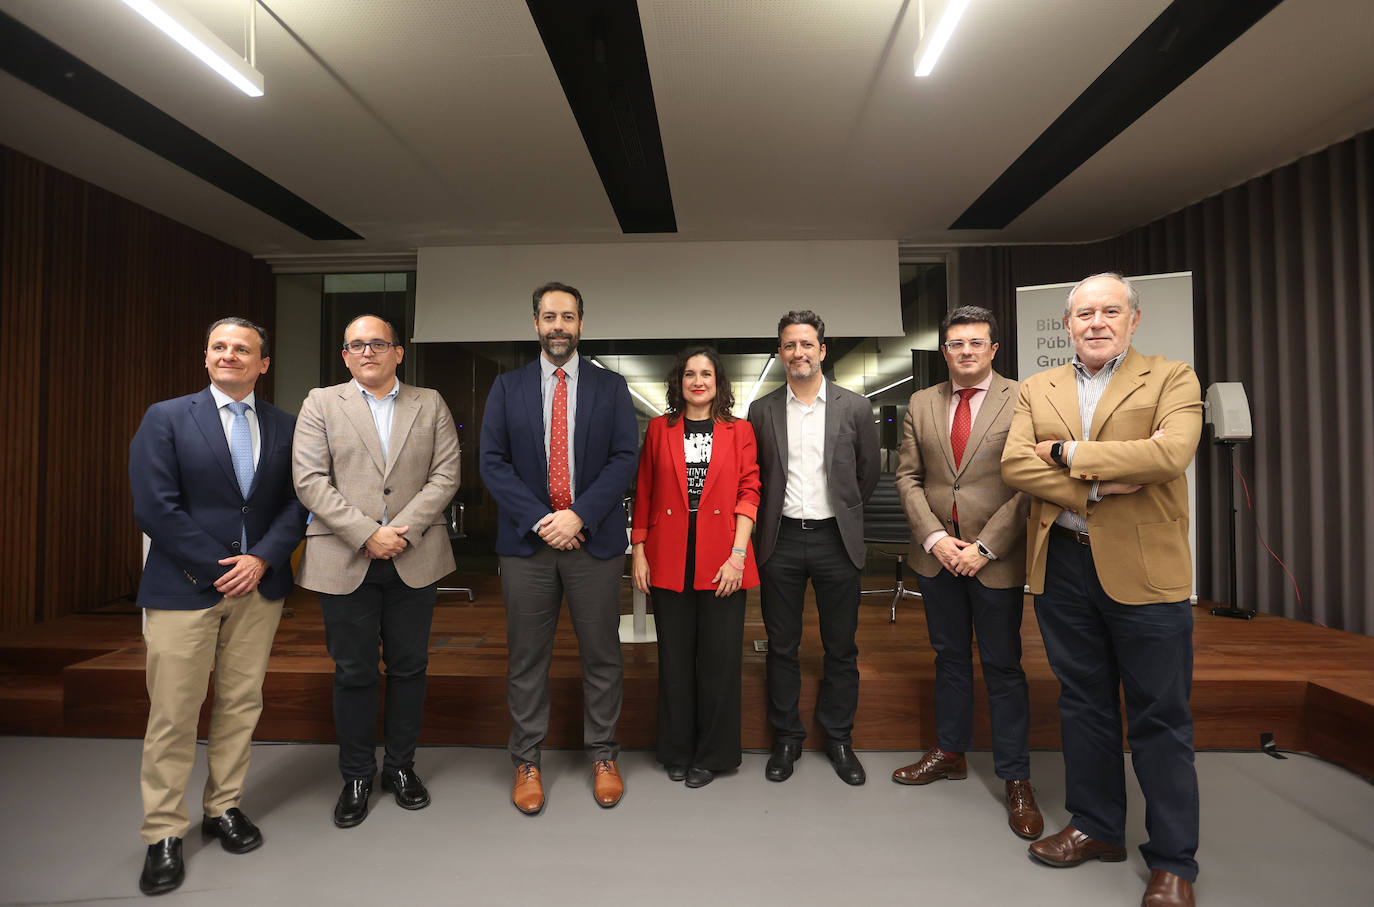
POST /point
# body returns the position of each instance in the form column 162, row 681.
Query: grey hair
column 1132, row 296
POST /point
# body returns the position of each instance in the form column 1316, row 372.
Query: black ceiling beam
column 597, row 50
column 30, row 57
column 1184, row 37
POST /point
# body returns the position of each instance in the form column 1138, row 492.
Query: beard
column 558, row 345
column 803, row 369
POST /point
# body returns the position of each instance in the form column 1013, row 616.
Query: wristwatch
column 1057, row 453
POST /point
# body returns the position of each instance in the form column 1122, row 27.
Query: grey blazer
column 851, row 461
column 344, row 481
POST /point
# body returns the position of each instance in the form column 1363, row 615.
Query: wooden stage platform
column 1312, row 688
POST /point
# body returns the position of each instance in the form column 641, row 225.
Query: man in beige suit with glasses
column 376, row 463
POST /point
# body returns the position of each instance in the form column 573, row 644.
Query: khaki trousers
column 234, row 639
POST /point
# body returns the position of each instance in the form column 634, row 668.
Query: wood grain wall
column 103, row 310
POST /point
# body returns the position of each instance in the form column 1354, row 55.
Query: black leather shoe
column 846, row 762
column 699, row 777
column 677, row 772
column 780, row 762
column 163, row 869
column 352, row 806
column 236, row 832
column 406, row 785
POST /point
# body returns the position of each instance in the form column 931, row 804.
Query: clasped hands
column 562, row 530
column 958, row 556
column 387, row 542
column 245, row 572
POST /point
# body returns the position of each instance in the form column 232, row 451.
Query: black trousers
column 818, row 555
column 383, row 609
column 700, row 640
column 1096, row 645
column 956, row 608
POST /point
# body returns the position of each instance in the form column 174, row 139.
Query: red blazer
column 660, row 516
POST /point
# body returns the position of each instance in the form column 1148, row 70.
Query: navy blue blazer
column 187, row 499
column 515, row 468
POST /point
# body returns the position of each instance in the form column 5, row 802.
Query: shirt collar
column 820, row 394
column 546, row 368
column 222, row 399
column 395, row 389
column 981, row 385
column 1110, row 368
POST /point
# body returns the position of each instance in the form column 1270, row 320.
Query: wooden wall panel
column 105, row 309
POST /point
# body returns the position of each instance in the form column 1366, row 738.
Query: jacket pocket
column 1164, row 551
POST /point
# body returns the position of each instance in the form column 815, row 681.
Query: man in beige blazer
column 1101, row 445
column 968, row 550
column 376, row 463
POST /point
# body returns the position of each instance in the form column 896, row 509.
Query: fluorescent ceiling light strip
column 634, row 393
column 753, row 391
column 890, row 386
column 929, row 52
column 200, row 41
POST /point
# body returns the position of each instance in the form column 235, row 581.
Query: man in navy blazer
column 559, row 451
column 211, row 480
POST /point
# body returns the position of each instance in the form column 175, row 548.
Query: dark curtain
column 1283, row 299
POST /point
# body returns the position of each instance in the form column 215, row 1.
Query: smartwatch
column 1057, row 453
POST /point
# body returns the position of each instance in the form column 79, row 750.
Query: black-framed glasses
column 957, row 346
column 356, row 347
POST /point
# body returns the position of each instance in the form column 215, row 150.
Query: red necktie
column 959, row 431
column 560, row 490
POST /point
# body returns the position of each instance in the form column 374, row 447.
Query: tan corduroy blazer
column 930, row 486
column 1139, row 541
column 343, row 480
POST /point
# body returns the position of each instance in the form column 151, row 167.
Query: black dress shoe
column 236, row 832
column 699, row 777
column 352, row 806
column 677, row 772
column 779, row 766
column 163, row 869
column 409, row 789
column 846, row 762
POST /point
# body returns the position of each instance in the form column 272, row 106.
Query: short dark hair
column 391, row 328
column 554, row 286
column 970, row 314
column 805, row 316
column 725, row 398
column 236, row 321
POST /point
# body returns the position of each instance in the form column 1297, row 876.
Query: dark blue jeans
column 1096, row 645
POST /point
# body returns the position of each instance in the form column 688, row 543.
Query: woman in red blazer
column 696, row 498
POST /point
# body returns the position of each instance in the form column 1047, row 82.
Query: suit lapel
column 1063, row 396
column 777, row 415
column 994, row 399
column 402, row 418
column 206, row 415
column 267, row 439
column 939, row 417
column 1128, row 377
column 587, row 389
column 360, row 415
column 530, row 385
column 676, row 435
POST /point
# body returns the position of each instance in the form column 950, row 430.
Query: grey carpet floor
column 1296, row 831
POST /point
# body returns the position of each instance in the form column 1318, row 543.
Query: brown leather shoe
column 1071, row 847
column 934, row 765
column 528, row 793
column 607, row 787
column 1167, row 890
column 1023, row 815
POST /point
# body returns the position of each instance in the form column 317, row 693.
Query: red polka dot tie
column 959, row 431
column 560, row 489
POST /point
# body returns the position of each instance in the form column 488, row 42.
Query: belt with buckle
column 1072, row 535
column 809, row 524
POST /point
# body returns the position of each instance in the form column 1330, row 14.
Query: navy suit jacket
column 187, row 499
column 515, row 467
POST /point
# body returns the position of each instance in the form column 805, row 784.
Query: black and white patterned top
column 696, row 449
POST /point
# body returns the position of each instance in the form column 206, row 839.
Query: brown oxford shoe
column 934, row 765
column 528, row 793
column 1167, row 890
column 1071, row 847
column 1023, row 815
column 607, row 787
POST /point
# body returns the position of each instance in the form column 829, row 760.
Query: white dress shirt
column 808, row 495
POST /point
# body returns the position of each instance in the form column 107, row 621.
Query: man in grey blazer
column 818, row 458
column 968, row 548
column 376, row 463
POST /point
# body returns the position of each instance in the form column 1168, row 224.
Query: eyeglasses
column 957, row 346
column 377, row 347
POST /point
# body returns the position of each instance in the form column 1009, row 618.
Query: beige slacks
column 234, row 639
